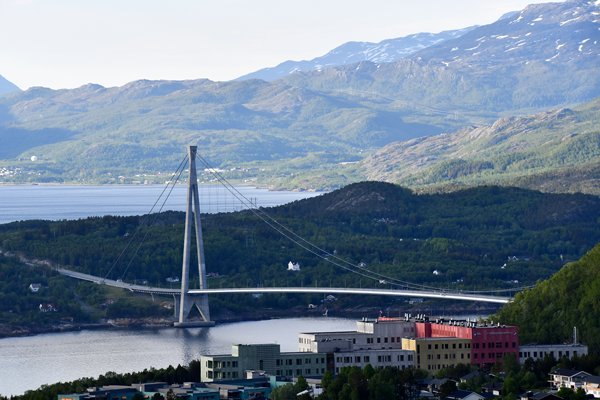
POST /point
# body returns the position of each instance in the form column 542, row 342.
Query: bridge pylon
column 188, row 301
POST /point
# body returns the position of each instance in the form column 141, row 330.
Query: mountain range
column 308, row 129
column 389, row 50
column 7, row 86
column 557, row 150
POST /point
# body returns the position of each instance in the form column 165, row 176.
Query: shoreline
column 150, row 323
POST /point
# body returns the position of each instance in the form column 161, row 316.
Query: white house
column 591, row 385
column 35, row 287
column 568, row 378
column 293, row 266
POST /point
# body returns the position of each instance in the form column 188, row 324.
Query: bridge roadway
column 329, row 290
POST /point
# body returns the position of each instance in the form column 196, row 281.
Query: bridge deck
column 329, row 290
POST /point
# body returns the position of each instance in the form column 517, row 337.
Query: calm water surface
column 28, row 362
column 23, row 202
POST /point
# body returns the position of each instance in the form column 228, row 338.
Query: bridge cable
column 305, row 244
column 156, row 215
column 143, row 219
column 261, row 214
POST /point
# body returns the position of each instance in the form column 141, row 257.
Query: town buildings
column 558, row 351
column 489, row 343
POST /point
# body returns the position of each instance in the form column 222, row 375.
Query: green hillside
column 481, row 238
column 553, row 151
column 571, row 297
column 477, row 238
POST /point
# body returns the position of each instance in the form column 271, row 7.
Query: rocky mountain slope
column 557, row 150
column 499, row 67
column 389, row 50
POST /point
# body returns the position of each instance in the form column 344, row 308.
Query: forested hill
column 481, row 237
column 571, row 297
column 496, row 206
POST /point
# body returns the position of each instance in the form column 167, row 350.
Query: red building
column 489, row 343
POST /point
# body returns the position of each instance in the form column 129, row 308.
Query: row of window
column 527, row 354
column 298, row 371
column 489, row 355
column 447, row 346
column 497, row 345
column 289, row 361
column 221, row 364
column 393, row 339
column 222, row 374
column 451, row 356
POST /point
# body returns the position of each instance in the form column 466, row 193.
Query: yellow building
column 435, row 353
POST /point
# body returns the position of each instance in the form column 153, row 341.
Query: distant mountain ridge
column 7, row 86
column 547, row 55
column 386, row 51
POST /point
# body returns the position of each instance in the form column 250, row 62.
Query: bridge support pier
column 188, row 302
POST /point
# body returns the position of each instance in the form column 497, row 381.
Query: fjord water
column 29, row 362
column 55, row 202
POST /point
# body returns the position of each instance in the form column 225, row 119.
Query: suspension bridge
column 187, row 300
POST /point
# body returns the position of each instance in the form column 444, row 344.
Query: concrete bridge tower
column 187, row 301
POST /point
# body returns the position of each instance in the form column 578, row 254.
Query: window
column 460, row 345
column 385, row 340
column 393, row 338
column 367, row 359
column 436, row 346
column 298, row 361
column 378, row 340
column 429, row 347
column 234, row 364
column 357, row 359
column 453, row 345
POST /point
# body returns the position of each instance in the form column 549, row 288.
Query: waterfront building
column 398, row 358
column 558, row 351
column 436, row 353
column 370, row 334
column 262, row 357
column 489, row 343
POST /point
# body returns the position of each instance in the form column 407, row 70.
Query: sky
column 69, row 43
